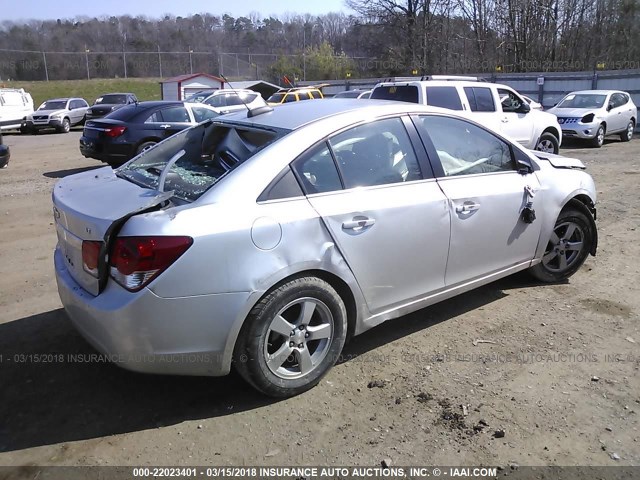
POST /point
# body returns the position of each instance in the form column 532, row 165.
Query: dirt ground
column 557, row 385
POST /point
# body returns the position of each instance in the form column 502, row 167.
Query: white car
column 231, row 100
column 491, row 104
column 15, row 105
column 592, row 114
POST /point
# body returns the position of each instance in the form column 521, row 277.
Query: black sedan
column 123, row 134
column 4, row 154
column 108, row 103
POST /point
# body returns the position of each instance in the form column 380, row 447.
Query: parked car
column 132, row 129
column 532, row 103
column 200, row 95
column 108, row 103
column 5, row 153
column 15, row 105
column 297, row 94
column 59, row 114
column 593, row 114
column 498, row 106
column 230, row 100
column 263, row 240
column 364, row 94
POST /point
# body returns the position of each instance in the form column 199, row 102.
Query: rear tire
column 548, row 143
column 568, row 247
column 598, row 140
column 292, row 337
column 145, row 146
column 628, row 133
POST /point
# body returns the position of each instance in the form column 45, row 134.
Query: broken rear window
column 192, row 161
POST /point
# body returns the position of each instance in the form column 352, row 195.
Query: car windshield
column 53, row 105
column 201, row 156
column 583, row 100
column 112, row 99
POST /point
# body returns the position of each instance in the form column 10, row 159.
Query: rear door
column 383, row 208
column 486, row 194
column 619, row 115
column 169, row 120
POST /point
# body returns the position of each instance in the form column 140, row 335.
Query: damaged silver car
column 263, row 240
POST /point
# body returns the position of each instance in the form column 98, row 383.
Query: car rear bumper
column 111, row 153
column 147, row 333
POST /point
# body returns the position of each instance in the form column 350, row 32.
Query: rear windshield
column 126, row 113
column 112, row 99
column 402, row 93
column 197, row 158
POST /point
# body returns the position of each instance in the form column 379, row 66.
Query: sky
column 49, row 9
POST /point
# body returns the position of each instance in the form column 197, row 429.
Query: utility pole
column 124, row 55
column 190, row 61
column 159, row 61
column 44, row 59
column 86, row 57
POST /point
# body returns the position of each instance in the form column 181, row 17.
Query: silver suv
column 491, row 104
column 60, row 114
column 593, row 114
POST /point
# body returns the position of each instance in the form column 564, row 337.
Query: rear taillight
column 114, row 131
column 135, row 261
column 90, row 255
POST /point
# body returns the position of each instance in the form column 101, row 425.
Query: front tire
column 292, row 337
column 598, row 140
column 548, row 143
column 65, row 127
column 628, row 133
column 568, row 247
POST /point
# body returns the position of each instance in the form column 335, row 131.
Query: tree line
column 380, row 38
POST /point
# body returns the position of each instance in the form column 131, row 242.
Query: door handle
column 504, row 120
column 467, row 207
column 358, row 224
column 165, row 126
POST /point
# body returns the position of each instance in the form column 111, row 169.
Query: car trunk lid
column 91, row 206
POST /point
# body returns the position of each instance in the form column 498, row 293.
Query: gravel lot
column 558, row 385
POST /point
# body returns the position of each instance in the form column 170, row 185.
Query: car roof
column 118, row 93
column 595, row 92
column 64, row 99
column 291, row 116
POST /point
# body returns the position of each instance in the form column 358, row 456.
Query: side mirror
column 524, row 108
column 609, row 107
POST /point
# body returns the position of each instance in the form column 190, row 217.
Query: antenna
column 239, row 96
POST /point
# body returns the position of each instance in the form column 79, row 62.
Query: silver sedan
column 593, row 114
column 264, row 239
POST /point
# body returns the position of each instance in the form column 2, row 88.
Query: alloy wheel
column 565, row 245
column 298, row 338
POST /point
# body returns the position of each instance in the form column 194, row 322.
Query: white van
column 15, row 105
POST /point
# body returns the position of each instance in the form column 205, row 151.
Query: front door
column 513, row 121
column 486, row 196
column 390, row 223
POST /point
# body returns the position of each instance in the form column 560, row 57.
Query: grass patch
column 143, row 88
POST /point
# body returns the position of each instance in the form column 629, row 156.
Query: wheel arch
column 585, row 204
column 554, row 131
